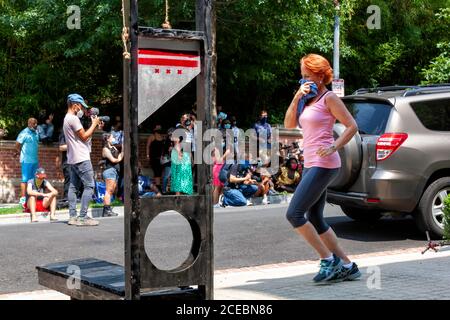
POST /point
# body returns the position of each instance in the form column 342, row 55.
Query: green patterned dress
column 181, row 176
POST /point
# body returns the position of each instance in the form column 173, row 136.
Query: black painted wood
column 104, row 280
column 206, row 102
column 193, row 271
column 132, row 209
column 100, row 274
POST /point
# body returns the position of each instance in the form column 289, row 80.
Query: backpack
column 224, row 173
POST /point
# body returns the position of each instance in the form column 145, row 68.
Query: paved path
column 400, row 275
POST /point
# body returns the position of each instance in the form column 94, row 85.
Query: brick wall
column 49, row 158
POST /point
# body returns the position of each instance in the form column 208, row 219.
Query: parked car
column 400, row 159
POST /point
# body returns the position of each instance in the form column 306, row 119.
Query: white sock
column 348, row 265
column 330, row 258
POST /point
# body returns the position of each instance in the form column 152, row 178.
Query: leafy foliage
column 447, row 218
column 259, row 44
column 438, row 70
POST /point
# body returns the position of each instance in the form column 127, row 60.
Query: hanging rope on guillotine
column 166, row 23
column 125, row 35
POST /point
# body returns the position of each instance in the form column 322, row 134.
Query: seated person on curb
column 146, row 185
column 289, row 176
column 264, row 181
column 240, row 186
column 38, row 199
column 151, row 191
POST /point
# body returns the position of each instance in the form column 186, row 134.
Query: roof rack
column 382, row 89
column 409, row 90
column 434, row 88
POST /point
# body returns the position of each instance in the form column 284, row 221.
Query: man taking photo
column 78, row 142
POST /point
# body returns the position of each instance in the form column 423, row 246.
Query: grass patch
column 115, row 203
column 12, row 210
column 18, row 209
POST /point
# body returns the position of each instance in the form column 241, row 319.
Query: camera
column 96, row 112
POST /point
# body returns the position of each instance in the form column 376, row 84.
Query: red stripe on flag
column 168, row 53
column 168, row 62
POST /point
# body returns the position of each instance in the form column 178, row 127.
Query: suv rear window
column 433, row 114
column 370, row 116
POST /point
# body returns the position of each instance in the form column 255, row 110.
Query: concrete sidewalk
column 401, row 274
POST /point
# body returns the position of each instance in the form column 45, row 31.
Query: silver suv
column 400, row 159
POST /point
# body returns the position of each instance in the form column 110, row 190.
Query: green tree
column 447, row 218
column 438, row 71
column 259, row 44
column 43, row 60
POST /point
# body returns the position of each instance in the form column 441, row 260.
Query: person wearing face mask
column 155, row 144
column 289, row 176
column 239, row 187
column 181, row 180
column 316, row 113
column 264, row 134
column 78, row 142
column 27, row 145
column 41, row 195
column 112, row 157
column 227, row 136
column 236, row 135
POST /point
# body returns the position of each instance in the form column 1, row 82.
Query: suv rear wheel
column 358, row 214
column 429, row 214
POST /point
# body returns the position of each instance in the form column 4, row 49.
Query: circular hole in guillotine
column 169, row 241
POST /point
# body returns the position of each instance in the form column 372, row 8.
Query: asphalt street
column 243, row 237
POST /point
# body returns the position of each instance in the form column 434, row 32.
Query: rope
column 166, row 23
column 125, row 35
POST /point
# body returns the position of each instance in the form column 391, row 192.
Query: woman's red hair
column 318, row 65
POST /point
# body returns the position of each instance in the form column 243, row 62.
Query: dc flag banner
column 161, row 74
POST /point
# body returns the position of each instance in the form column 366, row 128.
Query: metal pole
column 336, row 41
column 131, row 145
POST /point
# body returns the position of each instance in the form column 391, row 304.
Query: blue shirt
column 264, row 132
column 29, row 140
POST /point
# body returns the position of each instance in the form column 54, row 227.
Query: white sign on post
column 338, row 87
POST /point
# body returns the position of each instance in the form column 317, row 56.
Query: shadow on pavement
column 418, row 279
column 385, row 229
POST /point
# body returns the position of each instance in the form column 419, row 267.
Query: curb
column 97, row 212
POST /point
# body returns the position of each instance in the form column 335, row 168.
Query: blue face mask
column 263, row 120
column 227, row 126
column 312, row 93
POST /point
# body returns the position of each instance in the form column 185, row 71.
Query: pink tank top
column 317, row 124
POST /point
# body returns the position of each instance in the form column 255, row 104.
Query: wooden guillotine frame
column 140, row 279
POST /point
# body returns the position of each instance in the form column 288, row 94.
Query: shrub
column 447, row 218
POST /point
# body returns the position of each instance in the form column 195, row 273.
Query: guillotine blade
column 164, row 68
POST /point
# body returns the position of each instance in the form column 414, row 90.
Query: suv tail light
column 388, row 143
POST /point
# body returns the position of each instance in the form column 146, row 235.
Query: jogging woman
column 316, row 109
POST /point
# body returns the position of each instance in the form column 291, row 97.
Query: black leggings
column 310, row 197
